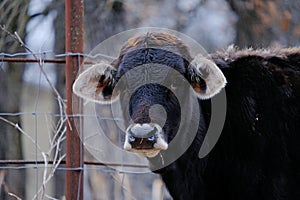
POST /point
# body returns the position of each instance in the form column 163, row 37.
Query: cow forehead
column 160, row 40
column 150, row 73
column 149, row 66
column 139, row 57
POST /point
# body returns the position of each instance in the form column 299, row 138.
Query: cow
column 257, row 155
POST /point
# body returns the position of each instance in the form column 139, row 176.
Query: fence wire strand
column 52, row 159
column 48, row 54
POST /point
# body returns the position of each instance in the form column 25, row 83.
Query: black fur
column 257, row 156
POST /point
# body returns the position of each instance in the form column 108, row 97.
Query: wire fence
column 46, row 157
column 54, row 164
column 46, row 139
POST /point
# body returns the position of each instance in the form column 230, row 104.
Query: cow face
column 148, row 80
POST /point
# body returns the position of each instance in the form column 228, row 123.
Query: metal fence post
column 74, row 148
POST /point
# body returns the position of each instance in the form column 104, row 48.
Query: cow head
column 156, row 66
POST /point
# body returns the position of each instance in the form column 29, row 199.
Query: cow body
column 258, row 153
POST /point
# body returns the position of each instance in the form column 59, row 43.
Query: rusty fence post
column 74, row 148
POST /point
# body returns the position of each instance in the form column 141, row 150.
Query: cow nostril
column 151, row 138
column 142, row 131
column 144, row 137
column 131, row 139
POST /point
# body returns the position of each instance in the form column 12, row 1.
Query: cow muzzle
column 147, row 140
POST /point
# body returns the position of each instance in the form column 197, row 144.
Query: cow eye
column 131, row 138
column 151, row 139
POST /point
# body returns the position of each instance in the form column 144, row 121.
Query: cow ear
column 205, row 77
column 96, row 84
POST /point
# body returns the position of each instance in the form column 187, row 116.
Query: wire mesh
column 43, row 132
column 53, row 161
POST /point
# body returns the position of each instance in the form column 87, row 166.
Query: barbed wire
column 43, row 55
column 57, row 161
column 51, row 54
column 52, row 159
column 59, row 115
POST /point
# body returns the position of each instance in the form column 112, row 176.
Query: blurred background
column 24, row 92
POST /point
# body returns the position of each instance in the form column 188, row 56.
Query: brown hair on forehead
column 157, row 40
